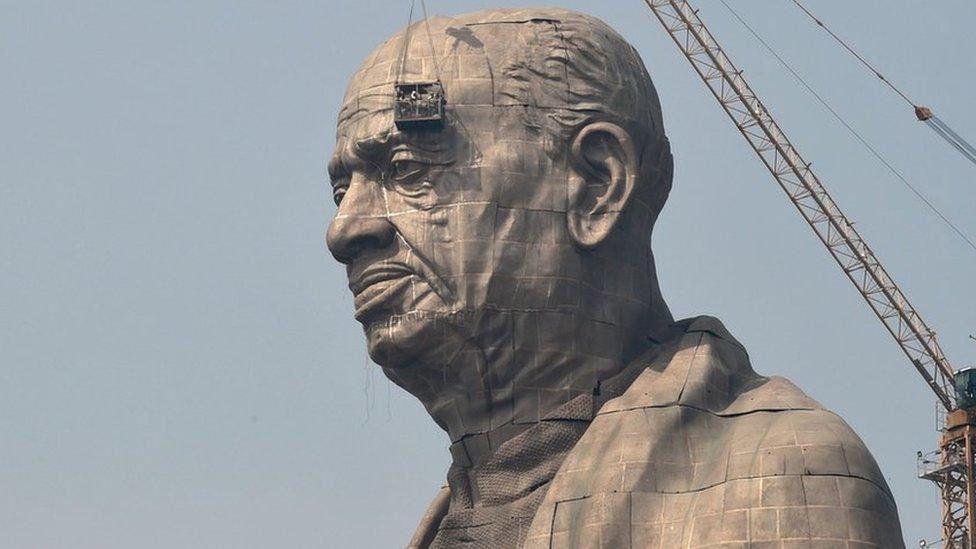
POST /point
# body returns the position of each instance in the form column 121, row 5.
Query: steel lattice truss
column 949, row 468
column 955, row 495
column 806, row 192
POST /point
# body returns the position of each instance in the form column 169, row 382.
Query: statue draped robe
column 686, row 448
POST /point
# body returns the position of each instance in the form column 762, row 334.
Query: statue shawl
column 702, row 452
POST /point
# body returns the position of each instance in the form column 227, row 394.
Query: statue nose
column 359, row 225
column 349, row 237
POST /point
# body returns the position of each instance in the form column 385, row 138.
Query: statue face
column 495, row 219
column 439, row 228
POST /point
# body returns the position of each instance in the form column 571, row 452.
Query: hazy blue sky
column 179, row 366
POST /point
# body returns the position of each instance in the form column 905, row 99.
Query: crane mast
column 953, row 469
column 806, row 192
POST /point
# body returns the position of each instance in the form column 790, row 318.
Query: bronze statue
column 501, row 265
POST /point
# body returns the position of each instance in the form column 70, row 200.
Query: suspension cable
column 951, row 137
column 857, row 135
column 924, row 114
column 854, row 53
column 430, row 40
column 405, row 43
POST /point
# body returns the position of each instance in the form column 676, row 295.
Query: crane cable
column 405, row 43
column 854, row 53
column 952, row 137
column 924, row 114
column 401, row 65
column 430, row 40
column 850, row 128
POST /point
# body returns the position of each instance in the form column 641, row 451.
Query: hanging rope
column 405, row 44
column 851, row 129
column 924, row 114
column 430, row 41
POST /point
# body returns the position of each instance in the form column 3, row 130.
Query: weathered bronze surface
column 502, row 270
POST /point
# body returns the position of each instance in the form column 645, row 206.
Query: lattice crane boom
column 805, row 190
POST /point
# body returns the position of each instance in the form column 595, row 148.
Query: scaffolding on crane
column 952, row 467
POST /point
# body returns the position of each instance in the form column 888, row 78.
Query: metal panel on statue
column 501, row 268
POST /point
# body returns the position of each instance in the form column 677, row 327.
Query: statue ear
column 603, row 173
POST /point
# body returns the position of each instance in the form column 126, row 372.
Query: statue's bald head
column 557, row 68
column 540, row 190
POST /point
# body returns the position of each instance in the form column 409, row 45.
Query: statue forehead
column 467, row 53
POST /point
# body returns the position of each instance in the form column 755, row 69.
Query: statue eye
column 407, row 169
column 337, row 193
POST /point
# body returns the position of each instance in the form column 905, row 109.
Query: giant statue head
column 500, row 262
column 498, row 248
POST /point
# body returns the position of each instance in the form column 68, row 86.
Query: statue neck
column 518, row 368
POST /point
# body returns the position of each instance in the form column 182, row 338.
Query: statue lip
column 375, row 286
column 375, row 273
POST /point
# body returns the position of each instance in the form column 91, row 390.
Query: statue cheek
column 440, row 225
column 442, row 247
column 447, row 187
column 441, row 201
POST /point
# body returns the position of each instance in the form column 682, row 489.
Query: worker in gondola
column 502, row 270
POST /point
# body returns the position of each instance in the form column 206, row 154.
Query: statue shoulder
column 700, row 450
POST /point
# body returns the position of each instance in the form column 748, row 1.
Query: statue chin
column 404, row 341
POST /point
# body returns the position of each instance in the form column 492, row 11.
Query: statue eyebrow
column 336, row 167
column 345, row 158
column 374, row 149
